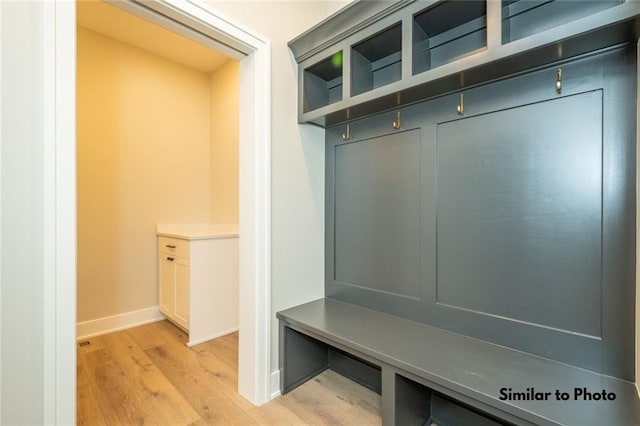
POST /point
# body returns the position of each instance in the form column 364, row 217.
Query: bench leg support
column 388, row 396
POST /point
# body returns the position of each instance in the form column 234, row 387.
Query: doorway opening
column 202, row 25
column 157, row 153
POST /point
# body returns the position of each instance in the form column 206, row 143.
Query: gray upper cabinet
column 375, row 56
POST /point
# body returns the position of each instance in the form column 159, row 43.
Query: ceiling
column 103, row 18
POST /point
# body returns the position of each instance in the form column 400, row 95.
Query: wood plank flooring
column 147, row 375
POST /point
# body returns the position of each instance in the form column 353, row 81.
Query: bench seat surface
column 469, row 366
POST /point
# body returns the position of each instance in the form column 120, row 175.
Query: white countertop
column 198, row 231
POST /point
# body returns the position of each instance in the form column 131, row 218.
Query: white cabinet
column 198, row 280
column 181, row 282
column 173, row 275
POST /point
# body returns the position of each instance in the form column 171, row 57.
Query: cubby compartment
column 377, row 61
column 448, row 31
column 308, row 357
column 416, row 404
column 522, row 18
column 323, row 83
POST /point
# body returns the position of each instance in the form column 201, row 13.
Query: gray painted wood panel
column 559, row 30
column 578, row 244
column 377, row 198
column 519, row 207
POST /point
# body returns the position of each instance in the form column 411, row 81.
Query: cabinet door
column 182, row 291
column 167, row 286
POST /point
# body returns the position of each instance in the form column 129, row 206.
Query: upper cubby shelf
column 373, row 56
column 323, row 82
column 377, row 61
column 522, row 18
column 446, row 32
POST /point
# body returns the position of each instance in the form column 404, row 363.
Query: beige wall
column 297, row 158
column 144, row 157
column 224, row 146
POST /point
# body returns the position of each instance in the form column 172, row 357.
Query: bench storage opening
column 308, row 357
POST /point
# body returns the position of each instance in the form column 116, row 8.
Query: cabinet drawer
column 173, row 246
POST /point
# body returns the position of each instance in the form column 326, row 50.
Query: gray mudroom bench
column 480, row 210
column 423, row 372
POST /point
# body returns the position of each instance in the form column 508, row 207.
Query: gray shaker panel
column 377, row 214
column 519, row 210
column 613, row 74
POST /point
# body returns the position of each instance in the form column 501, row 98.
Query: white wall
column 22, row 200
column 297, row 163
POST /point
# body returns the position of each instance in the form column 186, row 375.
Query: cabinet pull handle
column 170, row 259
column 396, row 122
column 170, row 246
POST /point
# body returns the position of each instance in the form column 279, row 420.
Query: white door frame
column 60, row 197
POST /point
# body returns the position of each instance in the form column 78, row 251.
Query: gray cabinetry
column 501, row 223
column 448, row 31
column 481, row 183
column 377, row 61
column 427, row 375
column 322, row 83
column 376, row 56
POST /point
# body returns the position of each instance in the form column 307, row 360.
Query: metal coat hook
column 460, row 108
column 559, row 81
column 346, row 135
column 396, row 122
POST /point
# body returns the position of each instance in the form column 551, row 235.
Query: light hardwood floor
column 146, row 375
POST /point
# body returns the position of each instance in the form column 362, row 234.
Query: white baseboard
column 275, row 384
column 106, row 325
column 191, row 343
